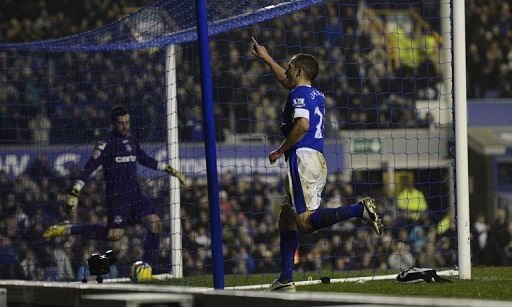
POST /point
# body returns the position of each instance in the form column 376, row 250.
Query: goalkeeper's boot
column 370, row 215
column 58, row 230
column 284, row 287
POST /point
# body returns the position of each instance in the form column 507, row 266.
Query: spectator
column 401, row 257
column 62, row 259
column 9, row 265
column 479, row 233
column 412, row 201
column 498, row 239
column 29, row 266
column 508, row 246
column 431, row 257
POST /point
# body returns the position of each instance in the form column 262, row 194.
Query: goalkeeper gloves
column 72, row 197
column 173, row 172
column 176, row 173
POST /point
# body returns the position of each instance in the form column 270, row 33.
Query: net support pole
column 210, row 147
column 461, row 139
column 173, row 159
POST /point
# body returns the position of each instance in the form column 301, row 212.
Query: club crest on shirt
column 298, row 102
column 128, row 147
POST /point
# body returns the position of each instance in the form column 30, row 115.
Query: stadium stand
column 365, row 70
column 489, row 49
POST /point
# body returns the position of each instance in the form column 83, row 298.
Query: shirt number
column 318, row 130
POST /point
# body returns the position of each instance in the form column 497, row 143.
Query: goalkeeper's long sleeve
column 144, row 159
column 95, row 160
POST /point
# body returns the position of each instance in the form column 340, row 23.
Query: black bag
column 416, row 275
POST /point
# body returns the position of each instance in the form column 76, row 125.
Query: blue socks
column 319, row 219
column 151, row 245
column 329, row 216
column 289, row 242
column 90, row 231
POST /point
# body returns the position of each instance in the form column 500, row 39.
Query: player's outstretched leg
column 370, row 215
column 152, row 240
column 324, row 217
column 151, row 249
column 91, row 231
column 59, row 230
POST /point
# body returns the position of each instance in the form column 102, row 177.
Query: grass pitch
column 486, row 283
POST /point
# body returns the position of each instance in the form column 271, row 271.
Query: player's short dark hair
column 308, row 63
column 117, row 110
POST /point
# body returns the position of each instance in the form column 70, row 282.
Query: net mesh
column 388, row 126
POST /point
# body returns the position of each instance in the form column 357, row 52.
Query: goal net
column 389, row 135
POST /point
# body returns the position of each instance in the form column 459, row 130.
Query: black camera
column 99, row 264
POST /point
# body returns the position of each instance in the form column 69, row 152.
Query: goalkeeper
column 125, row 201
column 303, row 127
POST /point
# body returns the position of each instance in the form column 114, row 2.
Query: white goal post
column 173, row 159
column 461, row 137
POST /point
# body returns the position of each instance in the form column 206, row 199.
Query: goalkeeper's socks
column 90, row 231
column 289, row 242
column 329, row 216
column 151, row 245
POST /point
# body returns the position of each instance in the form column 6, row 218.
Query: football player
column 119, row 155
column 303, row 127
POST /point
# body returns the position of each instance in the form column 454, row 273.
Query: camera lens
column 98, row 264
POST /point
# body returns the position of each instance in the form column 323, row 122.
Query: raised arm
column 279, row 72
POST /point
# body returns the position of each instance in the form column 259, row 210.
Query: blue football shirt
column 309, row 103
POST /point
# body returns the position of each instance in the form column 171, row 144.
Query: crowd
column 249, row 213
column 48, row 96
column 372, row 75
column 249, row 209
column 55, row 98
column 489, row 49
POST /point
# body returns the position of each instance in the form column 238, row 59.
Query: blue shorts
column 128, row 209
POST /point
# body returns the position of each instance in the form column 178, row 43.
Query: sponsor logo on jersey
column 118, row 219
column 125, row 159
column 299, row 102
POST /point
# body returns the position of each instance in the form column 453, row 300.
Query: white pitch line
column 338, row 280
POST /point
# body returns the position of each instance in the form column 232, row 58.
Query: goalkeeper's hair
column 117, row 110
column 308, row 63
